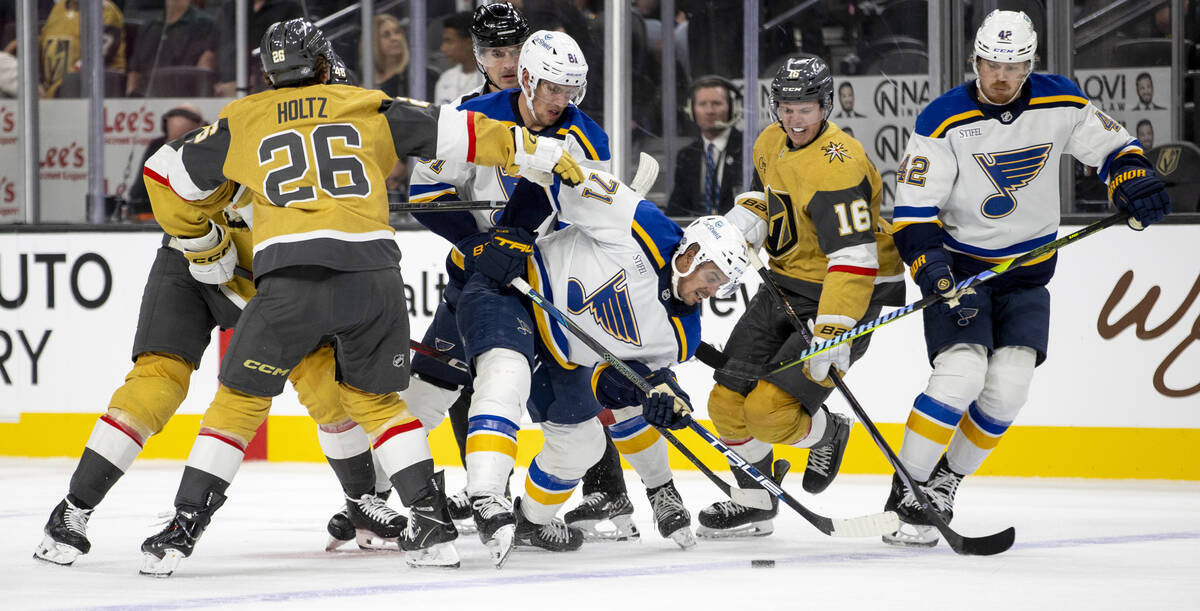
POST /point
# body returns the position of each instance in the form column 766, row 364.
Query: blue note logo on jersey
column 610, row 307
column 507, row 181
column 1009, row 171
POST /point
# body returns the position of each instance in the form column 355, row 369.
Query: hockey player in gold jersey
column 314, row 157
column 814, row 205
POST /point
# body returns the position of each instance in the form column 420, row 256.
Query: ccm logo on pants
column 265, row 368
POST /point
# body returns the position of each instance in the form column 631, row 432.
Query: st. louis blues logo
column 610, row 307
column 1009, row 171
column 507, row 181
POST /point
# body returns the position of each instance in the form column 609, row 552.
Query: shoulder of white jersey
column 951, row 109
column 495, row 105
column 586, row 132
column 655, row 233
column 1052, row 91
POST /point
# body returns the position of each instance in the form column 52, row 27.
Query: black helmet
column 800, row 79
column 290, row 52
column 498, row 25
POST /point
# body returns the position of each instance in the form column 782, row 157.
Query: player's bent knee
column 236, row 413
column 958, row 374
column 428, row 402
column 316, row 386
column 153, row 390
column 727, row 410
column 375, row 412
column 775, row 416
column 502, row 379
column 570, row 450
column 1009, row 374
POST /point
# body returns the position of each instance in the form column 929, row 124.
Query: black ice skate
column 555, row 536
column 66, row 535
column 825, row 458
column 915, row 529
column 496, row 524
column 605, row 516
column 674, row 521
column 428, row 540
column 369, row 521
column 728, row 519
column 163, row 552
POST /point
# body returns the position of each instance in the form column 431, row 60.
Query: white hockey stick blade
column 756, row 498
column 647, row 173
column 872, row 525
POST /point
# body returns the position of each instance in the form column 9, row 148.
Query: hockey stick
column 447, row 206
column 973, row 546
column 969, row 283
column 862, row 526
column 647, row 173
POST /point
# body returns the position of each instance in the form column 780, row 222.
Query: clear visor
column 556, row 92
column 491, row 57
column 1006, row 70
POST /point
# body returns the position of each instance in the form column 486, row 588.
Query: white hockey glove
column 538, row 159
column 212, row 258
column 826, row 327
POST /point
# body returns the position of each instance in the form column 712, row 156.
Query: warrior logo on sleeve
column 610, row 307
column 1009, row 171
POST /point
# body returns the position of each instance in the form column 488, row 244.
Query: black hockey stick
column 974, row 546
column 447, row 206
column 972, row 282
column 415, row 345
column 862, row 526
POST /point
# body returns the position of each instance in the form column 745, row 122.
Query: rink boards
column 1118, row 397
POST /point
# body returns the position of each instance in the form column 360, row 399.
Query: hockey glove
column 825, row 327
column 538, row 159
column 932, row 273
column 1140, row 193
column 667, row 406
column 212, row 258
column 613, row 390
column 503, row 257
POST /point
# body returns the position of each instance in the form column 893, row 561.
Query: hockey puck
column 762, row 564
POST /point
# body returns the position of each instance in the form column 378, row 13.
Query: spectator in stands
column 463, row 75
column 1145, row 93
column 709, row 170
column 1145, row 134
column 59, row 44
column 262, row 14
column 175, row 123
column 391, row 60
column 186, row 41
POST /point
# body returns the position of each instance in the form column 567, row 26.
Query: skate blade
column 334, row 543
column 153, row 566
column 466, row 526
column 753, row 529
column 442, row 555
column 501, row 544
column 370, row 541
column 912, row 535
column 619, row 528
column 53, row 552
column 684, row 538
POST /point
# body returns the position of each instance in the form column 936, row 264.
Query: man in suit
column 709, row 171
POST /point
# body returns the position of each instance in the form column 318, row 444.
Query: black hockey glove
column 1140, row 193
column 503, row 257
column 932, row 273
column 667, row 406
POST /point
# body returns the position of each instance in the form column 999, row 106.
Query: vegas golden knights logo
column 781, row 223
column 1168, row 160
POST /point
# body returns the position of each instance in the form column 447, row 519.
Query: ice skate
column 604, row 516
column 825, row 458
column 460, row 512
column 555, row 536
column 369, row 521
column 493, row 517
column 66, row 535
column 728, row 519
column 674, row 521
column 163, row 552
column 915, row 529
column 428, row 540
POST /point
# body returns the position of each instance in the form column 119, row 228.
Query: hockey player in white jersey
column 979, row 185
column 633, row 280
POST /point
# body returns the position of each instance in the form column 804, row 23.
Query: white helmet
column 555, row 57
column 1006, row 37
column 720, row 242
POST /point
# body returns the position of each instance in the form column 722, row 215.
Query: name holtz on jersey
column 989, row 174
column 607, row 268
